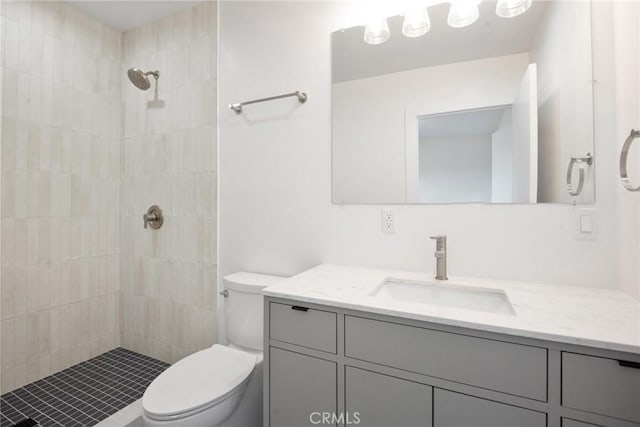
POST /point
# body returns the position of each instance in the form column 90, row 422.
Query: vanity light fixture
column 463, row 13
column 377, row 31
column 416, row 22
column 511, row 8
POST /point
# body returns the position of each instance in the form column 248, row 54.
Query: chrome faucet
column 441, row 257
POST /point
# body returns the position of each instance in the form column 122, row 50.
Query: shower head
column 140, row 78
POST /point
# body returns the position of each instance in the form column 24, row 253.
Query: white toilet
column 221, row 385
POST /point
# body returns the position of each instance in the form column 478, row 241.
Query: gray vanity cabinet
column 378, row 400
column 372, row 370
column 459, row 410
column 300, row 385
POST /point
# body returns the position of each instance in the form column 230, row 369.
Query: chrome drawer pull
column 624, row 154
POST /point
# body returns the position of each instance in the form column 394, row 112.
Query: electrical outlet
column 388, row 221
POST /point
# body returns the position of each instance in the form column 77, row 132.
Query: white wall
column 502, row 160
column 369, row 119
column 275, row 211
column 563, row 55
column 455, row 169
column 626, row 40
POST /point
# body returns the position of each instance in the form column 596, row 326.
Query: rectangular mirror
column 499, row 111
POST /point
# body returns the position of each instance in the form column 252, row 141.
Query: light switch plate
column 585, row 223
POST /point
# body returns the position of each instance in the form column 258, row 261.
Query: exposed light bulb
column 463, row 13
column 511, row 8
column 416, row 22
column 377, row 31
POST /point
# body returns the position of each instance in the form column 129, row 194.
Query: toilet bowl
column 220, row 386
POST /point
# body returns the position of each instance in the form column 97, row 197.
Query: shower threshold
column 83, row 394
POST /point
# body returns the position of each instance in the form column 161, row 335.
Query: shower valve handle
column 153, row 218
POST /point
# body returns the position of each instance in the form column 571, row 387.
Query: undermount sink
column 445, row 295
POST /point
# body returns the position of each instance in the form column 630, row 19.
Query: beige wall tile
column 7, row 293
column 57, row 120
column 7, row 341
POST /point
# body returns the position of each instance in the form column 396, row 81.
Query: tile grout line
column 37, row 410
column 66, row 403
column 15, row 409
column 128, row 362
column 56, row 409
column 117, row 375
column 102, row 377
column 138, row 360
column 117, row 368
column 75, row 389
column 94, row 388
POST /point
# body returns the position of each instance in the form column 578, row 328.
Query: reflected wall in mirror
column 488, row 113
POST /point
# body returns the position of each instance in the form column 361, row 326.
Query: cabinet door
column 301, row 388
column 456, row 410
column 376, row 400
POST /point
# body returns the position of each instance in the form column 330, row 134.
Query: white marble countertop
column 598, row 318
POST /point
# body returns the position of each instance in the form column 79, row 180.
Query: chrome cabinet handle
column 624, row 154
column 581, row 162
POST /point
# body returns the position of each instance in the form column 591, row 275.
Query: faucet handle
column 153, row 218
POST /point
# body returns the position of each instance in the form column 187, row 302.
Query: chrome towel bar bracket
column 302, row 98
column 582, row 162
column 624, row 155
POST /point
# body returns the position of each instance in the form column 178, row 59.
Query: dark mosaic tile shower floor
column 83, row 394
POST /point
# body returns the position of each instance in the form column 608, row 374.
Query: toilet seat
column 198, row 382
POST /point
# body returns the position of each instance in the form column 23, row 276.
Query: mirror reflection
column 491, row 112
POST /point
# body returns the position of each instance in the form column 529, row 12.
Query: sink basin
column 445, row 295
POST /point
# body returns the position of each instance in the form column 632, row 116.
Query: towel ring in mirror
column 624, row 176
column 582, row 162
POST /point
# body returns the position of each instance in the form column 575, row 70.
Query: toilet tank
column 244, row 308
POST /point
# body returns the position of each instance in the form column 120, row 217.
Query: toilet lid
column 200, row 380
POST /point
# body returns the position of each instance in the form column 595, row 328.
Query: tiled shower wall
column 60, row 189
column 168, row 276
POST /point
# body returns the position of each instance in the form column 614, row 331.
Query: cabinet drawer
column 303, row 326
column 381, row 401
column 496, row 365
column 457, row 410
column 600, row 385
